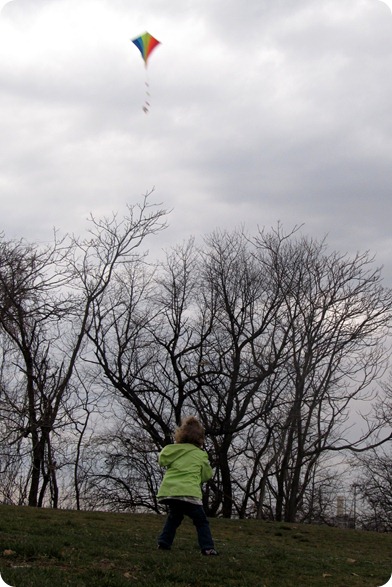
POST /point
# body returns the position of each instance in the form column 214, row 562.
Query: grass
column 49, row 548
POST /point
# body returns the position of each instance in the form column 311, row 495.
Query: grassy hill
column 49, row 548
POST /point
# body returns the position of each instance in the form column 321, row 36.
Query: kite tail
column 146, row 105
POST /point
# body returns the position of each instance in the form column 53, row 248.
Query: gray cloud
column 259, row 112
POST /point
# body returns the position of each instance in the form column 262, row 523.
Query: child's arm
column 162, row 460
column 206, row 470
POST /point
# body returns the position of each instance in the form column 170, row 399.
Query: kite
column 146, row 44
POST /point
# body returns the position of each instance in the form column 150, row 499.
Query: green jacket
column 187, row 468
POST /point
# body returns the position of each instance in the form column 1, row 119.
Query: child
column 187, row 468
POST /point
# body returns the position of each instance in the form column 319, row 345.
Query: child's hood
column 172, row 452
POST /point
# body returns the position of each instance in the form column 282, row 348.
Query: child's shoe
column 209, row 552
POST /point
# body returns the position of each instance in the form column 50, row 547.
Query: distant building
column 342, row 519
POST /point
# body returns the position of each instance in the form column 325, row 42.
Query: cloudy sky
column 261, row 111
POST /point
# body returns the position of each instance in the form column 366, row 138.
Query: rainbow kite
column 146, row 44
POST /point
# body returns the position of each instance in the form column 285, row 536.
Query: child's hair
column 190, row 431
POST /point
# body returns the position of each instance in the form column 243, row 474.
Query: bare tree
column 375, row 488
column 271, row 341
column 244, row 348
column 123, row 475
column 46, row 298
column 145, row 344
column 374, row 482
column 339, row 316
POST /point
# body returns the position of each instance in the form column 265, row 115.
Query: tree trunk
column 37, row 461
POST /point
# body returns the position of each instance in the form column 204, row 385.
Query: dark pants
column 177, row 510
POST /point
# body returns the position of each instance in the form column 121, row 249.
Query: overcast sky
column 261, row 111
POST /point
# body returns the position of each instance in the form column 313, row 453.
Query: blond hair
column 190, row 431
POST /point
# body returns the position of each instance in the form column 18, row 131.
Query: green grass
column 49, row 548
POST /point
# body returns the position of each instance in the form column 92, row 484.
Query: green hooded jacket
column 187, row 468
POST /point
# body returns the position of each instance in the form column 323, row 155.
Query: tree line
column 272, row 340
